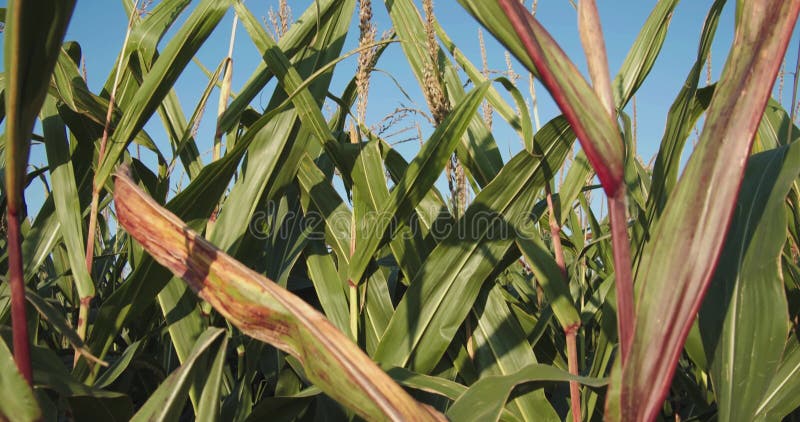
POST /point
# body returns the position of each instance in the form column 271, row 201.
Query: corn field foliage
column 309, row 271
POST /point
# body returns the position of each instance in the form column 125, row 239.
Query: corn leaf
column 264, row 310
column 420, row 176
column 430, row 312
column 66, row 197
column 159, row 80
column 679, row 260
column 783, row 395
column 484, row 400
column 537, row 50
column 166, row 403
column 745, row 313
column 19, row 403
column 477, row 150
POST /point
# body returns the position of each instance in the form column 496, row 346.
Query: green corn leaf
column 783, row 395
column 442, row 293
column 299, row 36
column 534, row 47
column 166, row 403
column 501, row 348
column 323, row 198
column 19, row 402
column 31, row 52
column 54, row 316
column 420, row 176
column 493, row 96
column 159, row 80
column 643, row 53
column 119, row 366
column 66, row 197
column 477, row 151
column 208, row 408
column 485, row 399
column 549, row 276
column 682, row 117
column 745, row 313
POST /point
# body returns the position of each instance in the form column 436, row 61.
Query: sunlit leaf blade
column 298, row 37
column 420, row 176
column 501, row 348
column 264, row 310
column 493, row 96
column 443, row 292
column 19, row 403
column 65, row 194
column 485, row 399
column 643, row 53
column 477, row 151
column 159, row 80
column 682, row 117
column 685, row 245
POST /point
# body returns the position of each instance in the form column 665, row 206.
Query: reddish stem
column 19, row 322
column 572, row 362
column 622, row 268
column 571, row 331
column 555, row 234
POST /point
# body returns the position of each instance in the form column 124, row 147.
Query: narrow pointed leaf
column 159, row 80
column 65, row 194
column 478, row 150
column 501, row 348
column 783, row 395
column 208, row 408
column 445, row 288
column 643, row 53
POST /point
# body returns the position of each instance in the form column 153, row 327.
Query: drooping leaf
column 264, row 310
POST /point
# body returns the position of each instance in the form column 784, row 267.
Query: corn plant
column 311, row 270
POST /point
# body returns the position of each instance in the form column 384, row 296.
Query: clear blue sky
column 99, row 26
